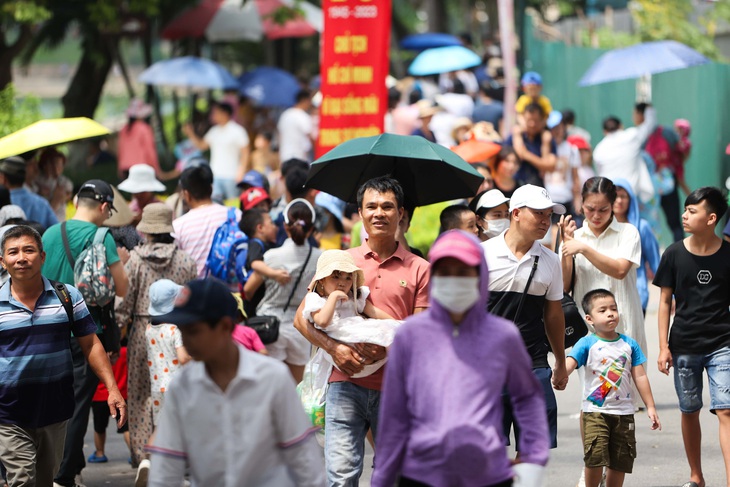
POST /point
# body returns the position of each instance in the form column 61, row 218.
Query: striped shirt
column 194, row 231
column 36, row 371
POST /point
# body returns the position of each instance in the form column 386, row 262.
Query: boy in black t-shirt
column 696, row 271
column 261, row 232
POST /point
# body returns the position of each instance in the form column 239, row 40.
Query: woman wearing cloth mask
column 492, row 212
column 626, row 210
column 436, row 364
column 605, row 254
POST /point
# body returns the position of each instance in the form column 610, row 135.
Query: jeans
column 351, row 411
column 85, row 382
column 688, row 379
column 224, row 189
column 544, row 376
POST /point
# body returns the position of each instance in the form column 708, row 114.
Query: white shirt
column 194, row 231
column 226, row 143
column 559, row 183
column 618, row 241
column 254, row 434
column 295, row 129
column 618, row 155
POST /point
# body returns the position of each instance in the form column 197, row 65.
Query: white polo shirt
column 254, row 434
column 226, row 143
column 507, row 279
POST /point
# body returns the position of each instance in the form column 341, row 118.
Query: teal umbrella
column 428, row 172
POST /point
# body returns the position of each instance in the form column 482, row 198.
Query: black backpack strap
column 65, row 297
column 66, row 246
column 527, row 286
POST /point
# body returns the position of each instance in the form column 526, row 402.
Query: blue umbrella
column 269, row 87
column 641, row 59
column 188, row 72
column 443, row 60
column 419, row 42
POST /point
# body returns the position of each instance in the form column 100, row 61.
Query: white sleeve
column 644, row 130
column 362, row 295
column 313, row 302
column 168, row 453
column 176, row 336
column 574, row 157
column 629, row 246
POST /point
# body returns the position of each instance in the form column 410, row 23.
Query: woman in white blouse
column 605, row 254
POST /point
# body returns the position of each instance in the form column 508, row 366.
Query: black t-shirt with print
column 701, row 286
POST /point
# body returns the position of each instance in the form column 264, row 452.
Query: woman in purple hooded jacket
column 441, row 405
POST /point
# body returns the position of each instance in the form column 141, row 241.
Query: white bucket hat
column 141, row 180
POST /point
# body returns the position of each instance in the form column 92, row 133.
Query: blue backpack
column 242, row 274
column 221, row 262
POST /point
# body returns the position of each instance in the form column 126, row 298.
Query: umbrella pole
column 643, row 89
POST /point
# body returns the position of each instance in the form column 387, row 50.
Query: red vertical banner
column 354, row 65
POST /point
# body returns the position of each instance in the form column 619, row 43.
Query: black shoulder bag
column 575, row 325
column 527, row 286
column 267, row 327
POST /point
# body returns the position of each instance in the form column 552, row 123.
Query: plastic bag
column 312, row 389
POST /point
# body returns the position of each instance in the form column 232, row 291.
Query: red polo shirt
column 398, row 285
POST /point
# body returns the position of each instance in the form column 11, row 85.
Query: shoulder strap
column 296, row 284
column 100, row 235
column 65, row 297
column 66, row 246
column 557, row 248
column 527, row 287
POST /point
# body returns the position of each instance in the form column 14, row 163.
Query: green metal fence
column 700, row 94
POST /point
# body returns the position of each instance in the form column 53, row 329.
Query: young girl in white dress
column 337, row 300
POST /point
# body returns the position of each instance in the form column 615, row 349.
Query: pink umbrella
column 233, row 20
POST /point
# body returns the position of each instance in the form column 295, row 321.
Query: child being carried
column 338, row 299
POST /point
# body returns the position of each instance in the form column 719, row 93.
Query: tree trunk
column 437, row 19
column 9, row 52
column 84, row 93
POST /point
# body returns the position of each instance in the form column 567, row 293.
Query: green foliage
column 425, row 226
column 24, row 11
column 284, row 14
column 16, row 114
column 608, row 39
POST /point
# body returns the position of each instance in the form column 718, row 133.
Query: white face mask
column 456, row 294
column 495, row 227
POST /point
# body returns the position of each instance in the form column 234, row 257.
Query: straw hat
column 156, row 218
column 141, row 180
column 338, row 260
column 123, row 216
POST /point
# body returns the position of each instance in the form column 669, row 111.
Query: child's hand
column 338, row 296
column 282, row 277
column 654, row 417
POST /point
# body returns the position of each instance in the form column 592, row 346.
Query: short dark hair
column 641, row 107
column 14, row 179
column 162, row 238
column 587, row 301
column 19, row 231
column 535, row 108
column 197, row 181
column 293, row 163
column 250, row 220
column 450, row 217
column 224, row 106
column 4, row 196
column 568, row 116
column 382, row 184
column 713, row 197
column 599, row 185
column 611, row 124
column 295, row 182
column 302, row 95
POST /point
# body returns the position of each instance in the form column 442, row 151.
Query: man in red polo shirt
column 398, row 282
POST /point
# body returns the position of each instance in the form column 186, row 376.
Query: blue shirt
column 527, row 172
column 36, row 208
column 491, row 112
column 36, row 370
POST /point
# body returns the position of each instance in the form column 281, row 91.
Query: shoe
column 95, row 459
column 143, row 473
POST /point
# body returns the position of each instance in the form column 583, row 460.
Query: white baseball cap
column 534, row 197
column 492, row 199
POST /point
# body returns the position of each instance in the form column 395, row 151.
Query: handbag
column 267, row 327
column 575, row 325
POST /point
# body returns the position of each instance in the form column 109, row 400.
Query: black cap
column 206, row 300
column 98, row 190
column 13, row 166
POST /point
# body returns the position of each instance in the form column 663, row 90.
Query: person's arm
column 616, row 268
column 121, row 283
column 567, row 228
column 642, row 385
column 323, row 317
column 201, row 144
column 570, row 365
column 372, row 311
column 665, row 305
column 253, row 284
column 244, row 162
column 344, row 356
column 279, row 275
column 125, row 308
column 98, row 360
column 555, row 331
column 644, row 130
column 182, row 355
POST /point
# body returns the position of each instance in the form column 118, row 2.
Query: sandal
column 691, row 483
column 94, row 459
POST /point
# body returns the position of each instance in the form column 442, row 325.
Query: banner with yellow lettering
column 354, row 65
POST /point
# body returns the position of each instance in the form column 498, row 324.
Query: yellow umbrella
column 49, row 132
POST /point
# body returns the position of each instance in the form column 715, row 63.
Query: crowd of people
column 179, row 306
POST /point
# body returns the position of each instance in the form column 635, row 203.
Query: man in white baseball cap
column 526, row 286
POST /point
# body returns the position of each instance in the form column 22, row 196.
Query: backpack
column 92, row 276
column 242, row 273
column 221, row 261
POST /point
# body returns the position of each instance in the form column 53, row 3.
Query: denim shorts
column 688, row 380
